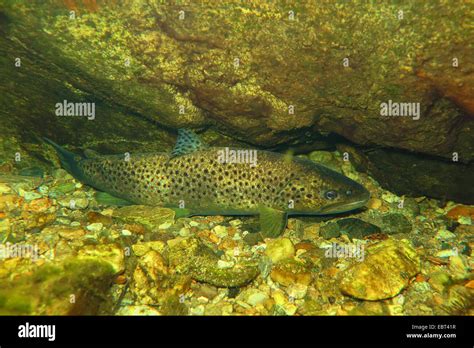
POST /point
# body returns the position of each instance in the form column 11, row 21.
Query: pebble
column 280, row 249
column 225, row 264
column 199, row 310
column 470, row 284
column 70, row 233
column 138, row 310
column 446, row 253
column 390, row 197
column 9, row 202
column 38, row 205
column 29, row 195
column 465, row 220
column 374, row 203
column 255, row 297
column 93, row 216
column 4, row 188
column 220, row 231
column 73, row 202
column 63, row 220
column 203, row 300
column 4, row 225
column 95, row 227
column 126, row 233
column 205, row 290
column 121, row 279
column 445, row 235
column 461, row 211
column 165, row 225
column 63, row 189
column 297, row 291
column 184, row 232
column 311, row 232
column 235, row 223
column 356, row 228
column 290, row 273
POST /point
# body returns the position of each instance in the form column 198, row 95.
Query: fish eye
column 330, row 195
column 348, row 192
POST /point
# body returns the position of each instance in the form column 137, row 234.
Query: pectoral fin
column 107, row 199
column 272, row 222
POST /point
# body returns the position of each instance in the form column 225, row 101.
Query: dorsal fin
column 187, row 142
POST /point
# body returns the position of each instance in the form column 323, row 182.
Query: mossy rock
column 190, row 256
column 73, row 287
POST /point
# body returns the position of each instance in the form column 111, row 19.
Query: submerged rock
column 280, row 249
column 73, row 287
column 395, row 223
column 150, row 217
column 415, row 175
column 352, row 227
column 330, row 230
column 190, row 256
column 291, row 272
column 386, row 270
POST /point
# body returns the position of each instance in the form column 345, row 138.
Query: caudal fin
column 69, row 160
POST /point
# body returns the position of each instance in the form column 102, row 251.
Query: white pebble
column 220, row 231
column 184, row 232
column 224, row 264
column 95, row 227
column 126, row 233
column 165, row 226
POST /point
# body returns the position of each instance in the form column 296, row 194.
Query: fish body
column 197, row 179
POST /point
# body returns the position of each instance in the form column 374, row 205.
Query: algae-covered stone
column 395, row 223
column 356, row 228
column 110, row 253
column 48, row 289
column 280, row 249
column 330, row 230
column 386, row 270
column 150, row 217
column 291, row 272
column 190, row 256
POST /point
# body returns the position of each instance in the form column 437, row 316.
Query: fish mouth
column 341, row 208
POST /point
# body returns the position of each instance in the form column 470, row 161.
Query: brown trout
column 195, row 179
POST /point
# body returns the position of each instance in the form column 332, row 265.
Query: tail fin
column 69, row 160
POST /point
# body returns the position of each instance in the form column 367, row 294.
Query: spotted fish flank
column 193, row 180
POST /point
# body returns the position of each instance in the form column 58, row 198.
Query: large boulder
column 243, row 68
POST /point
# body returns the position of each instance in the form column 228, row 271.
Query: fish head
column 320, row 190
